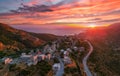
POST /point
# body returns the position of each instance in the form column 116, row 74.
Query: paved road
column 86, row 69
column 60, row 72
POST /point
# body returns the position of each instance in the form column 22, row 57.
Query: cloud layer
column 60, row 11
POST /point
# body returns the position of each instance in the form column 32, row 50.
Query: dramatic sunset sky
column 54, row 14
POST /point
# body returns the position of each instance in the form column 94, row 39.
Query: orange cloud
column 84, row 12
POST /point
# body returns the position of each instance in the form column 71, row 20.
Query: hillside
column 108, row 35
column 105, row 59
column 20, row 39
column 45, row 37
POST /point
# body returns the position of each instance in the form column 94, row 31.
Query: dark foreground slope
column 105, row 59
column 11, row 37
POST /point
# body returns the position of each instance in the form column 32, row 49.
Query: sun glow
column 92, row 26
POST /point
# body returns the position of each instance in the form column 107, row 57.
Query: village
column 49, row 52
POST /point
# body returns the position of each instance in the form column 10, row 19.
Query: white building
column 69, row 50
column 46, row 47
column 66, row 53
column 67, row 60
column 75, row 48
column 50, row 50
column 24, row 55
column 57, row 45
column 43, row 56
column 81, row 49
column 8, row 60
column 35, row 59
column 62, row 50
column 56, row 66
column 15, row 61
column 48, row 56
column 53, row 47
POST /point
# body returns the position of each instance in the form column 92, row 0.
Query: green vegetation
column 104, row 60
column 41, row 69
column 10, row 53
column 71, row 70
column 2, row 54
column 22, row 39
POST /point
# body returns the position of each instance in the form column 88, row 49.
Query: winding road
column 86, row 69
column 60, row 72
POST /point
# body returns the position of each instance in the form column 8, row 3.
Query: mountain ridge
column 104, row 61
column 20, row 38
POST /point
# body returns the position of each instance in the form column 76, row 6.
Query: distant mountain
column 21, row 39
column 105, row 59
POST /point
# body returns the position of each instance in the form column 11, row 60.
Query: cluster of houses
column 72, row 47
column 66, row 58
column 29, row 59
column 51, row 48
column 32, row 58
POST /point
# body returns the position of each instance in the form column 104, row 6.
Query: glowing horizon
column 59, row 11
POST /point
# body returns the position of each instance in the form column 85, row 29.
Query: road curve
column 60, row 72
column 86, row 69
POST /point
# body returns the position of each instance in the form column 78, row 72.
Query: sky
column 59, row 13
